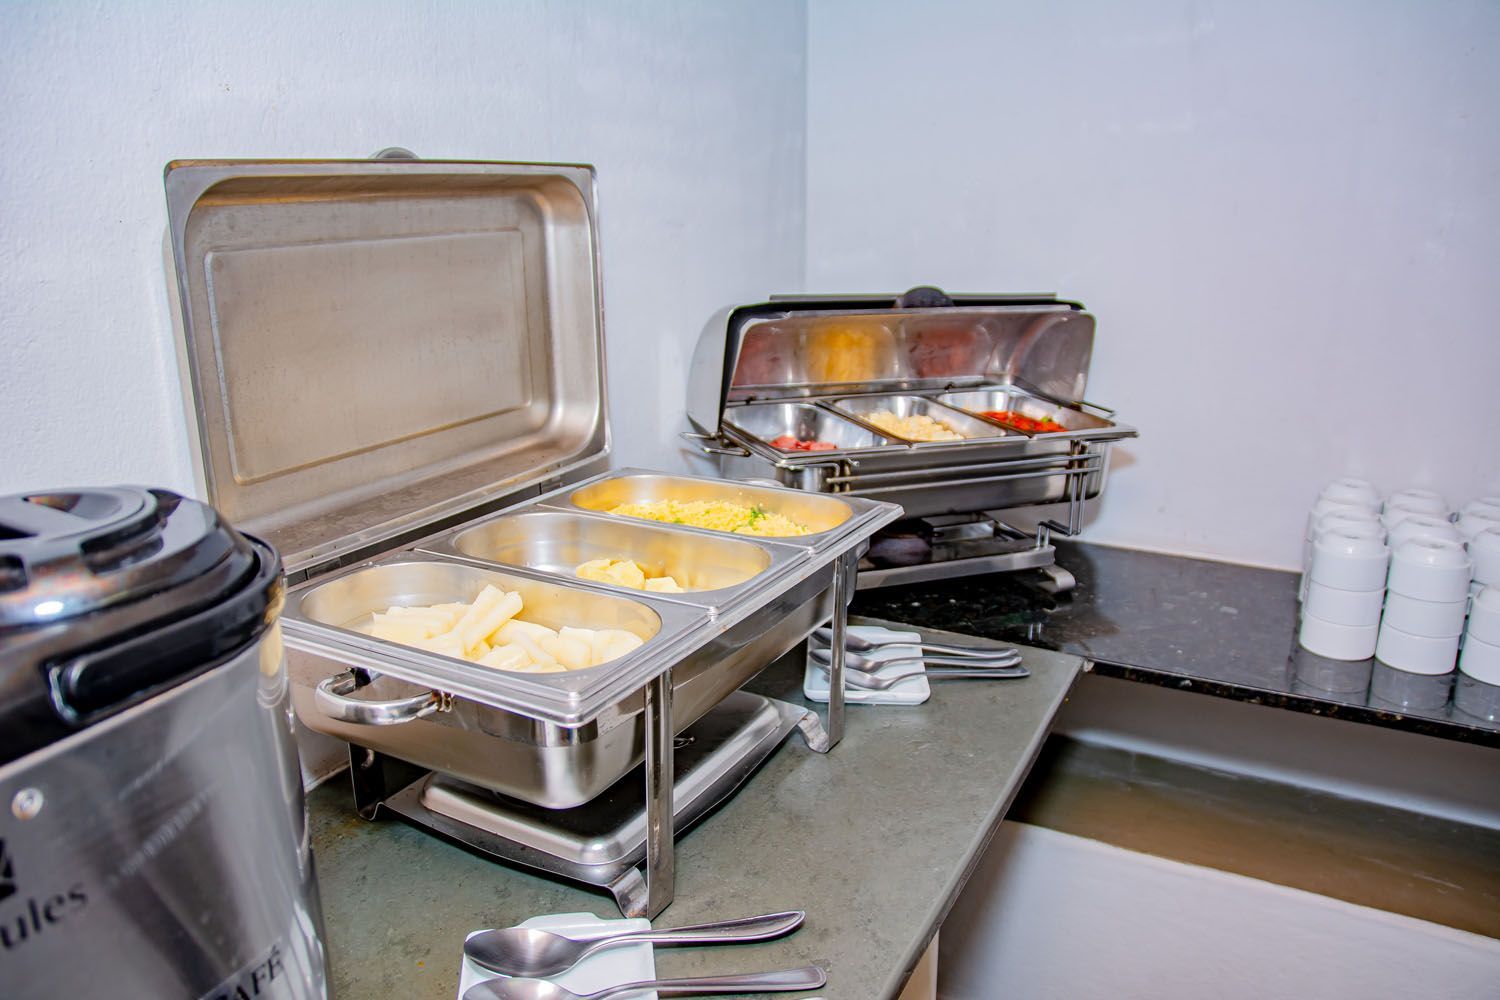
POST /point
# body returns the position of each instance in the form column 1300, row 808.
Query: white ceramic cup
column 1426, row 501
column 1484, row 617
column 1349, row 560
column 1337, row 642
column 1472, row 522
column 1421, row 526
column 1416, row 654
column 1324, row 506
column 1353, row 520
column 1435, row 619
column 1484, row 550
column 1397, row 510
column 1481, row 660
column 1344, row 607
column 1347, row 489
column 1430, row 569
column 1482, row 505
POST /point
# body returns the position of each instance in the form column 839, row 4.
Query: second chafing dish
column 953, row 356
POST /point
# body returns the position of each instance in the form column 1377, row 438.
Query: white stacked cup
column 1359, row 519
column 1354, row 499
column 1484, row 551
column 1478, row 690
column 1421, row 526
column 1346, row 582
column 1408, row 502
column 1427, row 597
column 1478, row 515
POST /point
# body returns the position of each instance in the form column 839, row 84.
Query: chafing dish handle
column 1103, row 411
column 331, row 697
column 717, row 448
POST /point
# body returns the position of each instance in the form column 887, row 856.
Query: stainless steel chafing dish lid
column 796, row 346
column 371, row 348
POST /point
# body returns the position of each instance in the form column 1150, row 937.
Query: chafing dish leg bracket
column 820, row 736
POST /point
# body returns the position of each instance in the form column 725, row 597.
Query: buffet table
column 873, row 840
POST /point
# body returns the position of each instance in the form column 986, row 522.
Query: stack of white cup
column 1478, row 691
column 1426, row 600
column 1345, row 587
column 1343, row 503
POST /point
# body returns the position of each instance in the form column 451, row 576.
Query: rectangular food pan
column 863, row 407
column 713, row 570
column 557, row 740
column 765, row 422
column 998, row 398
column 826, row 518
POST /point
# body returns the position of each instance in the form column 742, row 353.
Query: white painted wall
column 1281, row 213
column 1049, row 916
column 693, row 114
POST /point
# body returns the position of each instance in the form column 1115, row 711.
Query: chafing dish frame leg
column 367, row 773
column 648, row 896
column 820, row 736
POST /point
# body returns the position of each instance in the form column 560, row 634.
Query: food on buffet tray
column 626, row 573
column 787, row 442
column 489, row 633
column 844, row 351
column 715, row 515
column 917, row 427
column 1033, row 425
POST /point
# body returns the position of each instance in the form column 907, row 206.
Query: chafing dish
column 394, row 370
column 791, row 364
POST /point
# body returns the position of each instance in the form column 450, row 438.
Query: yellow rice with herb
column 715, row 515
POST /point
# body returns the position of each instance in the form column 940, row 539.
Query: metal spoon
column 1006, row 658
column 809, row 977
column 872, row 682
column 860, row 644
column 526, row 951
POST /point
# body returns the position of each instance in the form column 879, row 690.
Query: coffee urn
column 153, row 833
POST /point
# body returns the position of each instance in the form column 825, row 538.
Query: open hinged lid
column 797, row 346
column 374, row 347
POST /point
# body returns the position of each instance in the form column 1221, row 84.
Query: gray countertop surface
column 873, row 840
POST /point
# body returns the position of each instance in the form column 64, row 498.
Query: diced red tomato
column 789, row 443
column 1032, row 425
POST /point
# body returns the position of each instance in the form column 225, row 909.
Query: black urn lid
column 110, row 595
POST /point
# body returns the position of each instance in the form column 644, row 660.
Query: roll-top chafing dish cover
column 808, row 346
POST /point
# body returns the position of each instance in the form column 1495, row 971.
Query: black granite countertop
column 1216, row 628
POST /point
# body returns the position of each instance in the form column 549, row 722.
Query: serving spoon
column 870, row 664
column 529, row 951
column 890, row 637
column 809, row 977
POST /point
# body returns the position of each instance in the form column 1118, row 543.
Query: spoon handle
column 760, row 928
column 982, row 652
column 974, row 661
column 977, row 674
column 809, row 977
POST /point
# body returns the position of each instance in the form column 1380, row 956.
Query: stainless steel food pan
column 487, row 726
column 765, row 422
column 973, row 428
column 1018, row 480
column 714, row 570
column 1010, row 398
column 822, row 515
